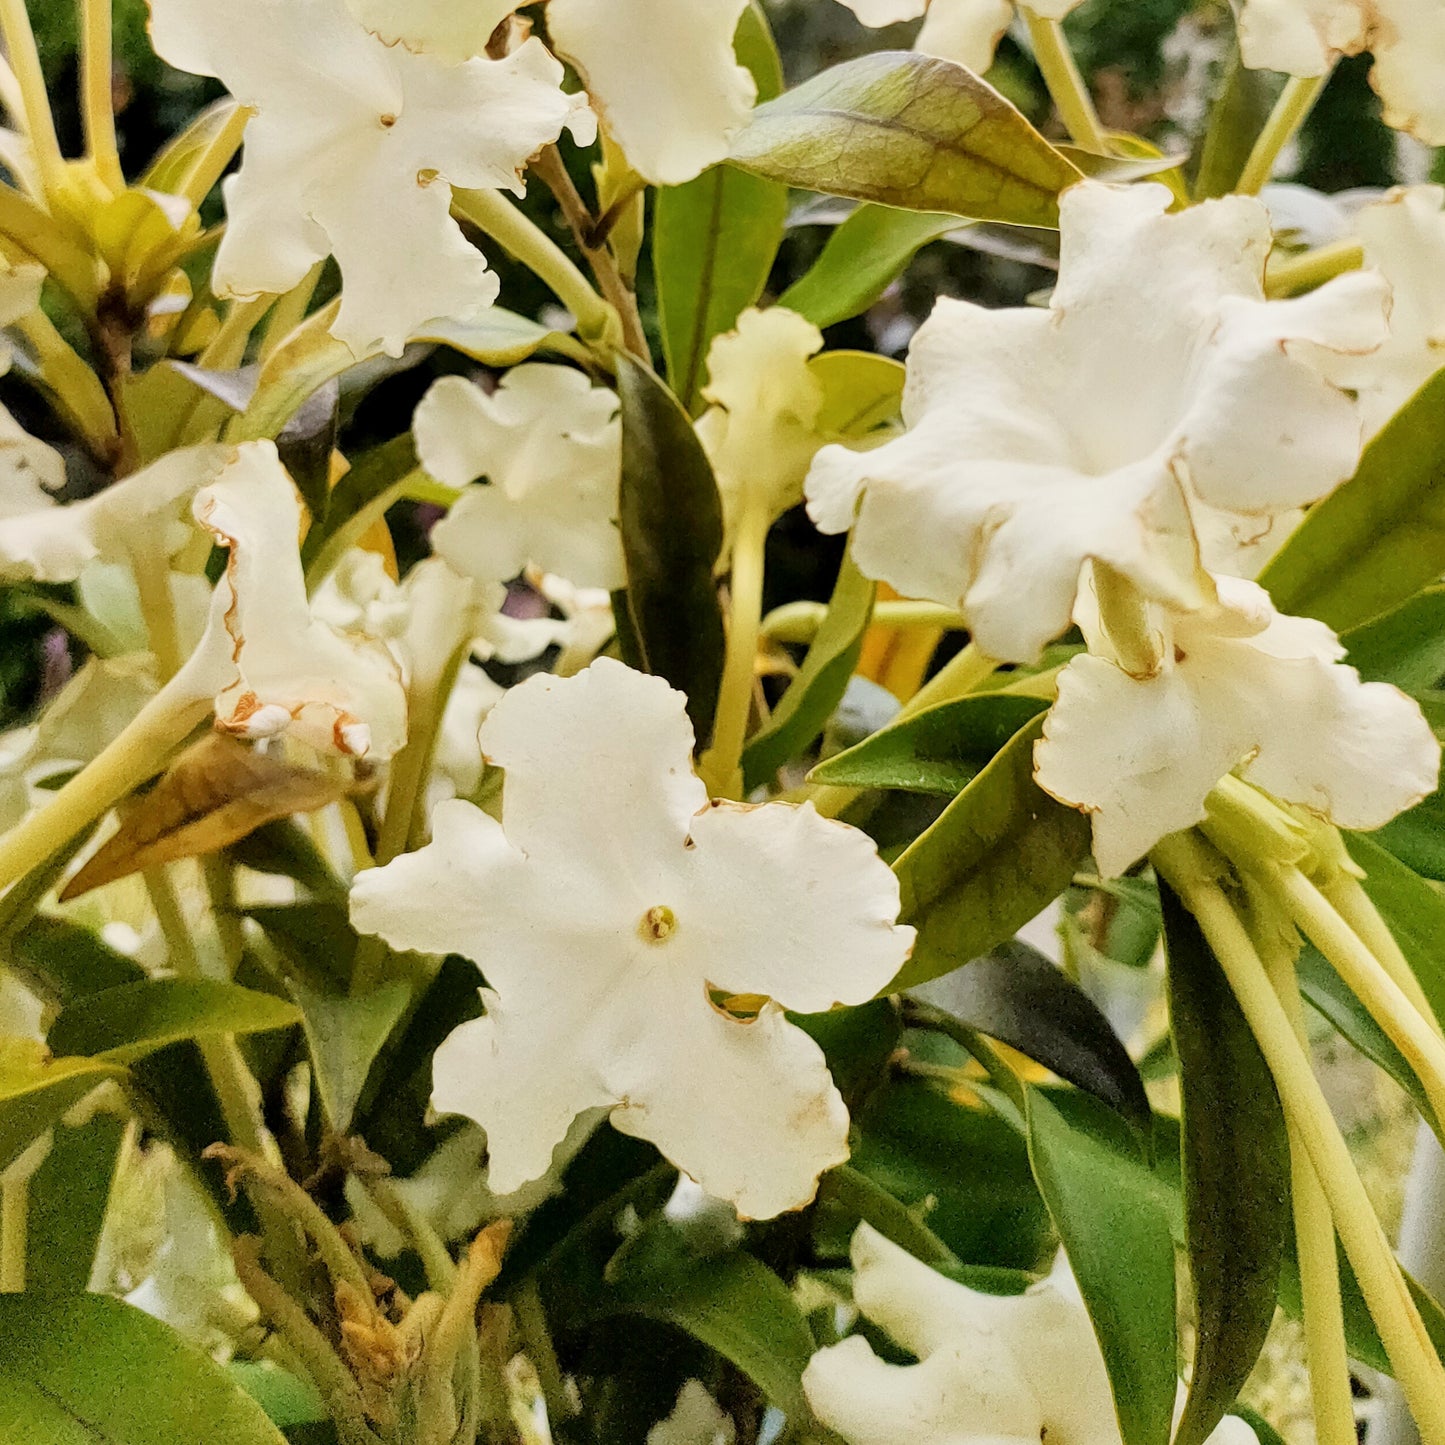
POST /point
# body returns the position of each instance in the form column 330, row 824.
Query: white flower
column 993, row 1370
column 353, row 152
column 1040, row 439
column 1404, row 240
column 967, row 31
column 453, row 30
column 663, row 76
column 136, row 521
column 1406, row 37
column 550, row 445
column 1241, row 687
column 271, row 663
column 695, row 1420
column 613, row 913
column 761, row 430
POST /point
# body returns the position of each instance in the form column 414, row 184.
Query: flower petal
column 967, row 31
column 879, row 13
column 453, row 30
column 794, row 906
column 673, row 104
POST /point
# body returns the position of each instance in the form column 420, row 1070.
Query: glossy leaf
column 714, row 239
column 306, row 361
column 373, row 484
column 861, row 260
column 863, row 1199
column 307, row 444
column 36, row 1089
column 861, row 393
column 1417, row 838
column 68, row 1197
column 1002, row 851
column 905, row 129
column 1106, row 1214
column 1406, row 647
column 814, row 694
column 85, row 1368
column 345, row 1034
column 1235, row 1158
column 127, row 1023
column 941, row 750
column 1017, row 996
column 497, row 338
column 672, row 533
column 60, row 962
column 1381, row 537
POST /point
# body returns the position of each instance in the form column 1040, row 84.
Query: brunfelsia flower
column 1240, row 687
column 1406, row 37
column 967, row 31
column 992, row 1370
column 452, row 30
column 639, row 946
column 272, row 665
column 550, row 445
column 353, row 151
column 1039, row 439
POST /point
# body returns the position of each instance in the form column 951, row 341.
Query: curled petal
column 452, row 30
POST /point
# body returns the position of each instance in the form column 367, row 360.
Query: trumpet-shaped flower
column 272, row 665
column 453, row 30
column 615, row 915
column 353, row 151
column 992, row 1369
column 136, row 521
column 1240, row 687
column 761, row 430
column 663, row 76
column 967, row 31
column 1406, row 37
column 1038, row 439
column 550, row 445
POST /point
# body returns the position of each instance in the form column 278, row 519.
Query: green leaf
column 345, row 1034
column 1235, row 1158
column 715, row 239
column 1406, row 647
column 908, row 130
column 1239, row 115
column 861, row 392
column 864, row 1199
column 373, row 484
column 61, row 962
column 862, row 259
column 124, row 1024
column 672, row 533
column 1021, row 998
column 289, row 1402
column 69, row 1195
column 1002, row 851
column 813, row 696
column 306, row 445
column 498, row 338
column 36, row 1089
column 1417, row 838
column 1381, row 537
column 941, row 750
column 309, row 358
column 81, row 1369
column 315, row 940
column 1117, row 1236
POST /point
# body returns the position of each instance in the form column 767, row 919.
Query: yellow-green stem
column 1066, row 84
column 96, row 92
column 1292, row 275
column 227, row 348
column 1290, row 112
column 14, row 1230
column 38, row 120
column 76, row 388
column 1182, row 861
column 290, row 311
column 798, row 622
column 1124, row 615
column 722, row 764
column 210, row 165
column 1353, row 904
column 158, row 608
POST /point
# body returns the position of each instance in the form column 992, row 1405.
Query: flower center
column 658, row 924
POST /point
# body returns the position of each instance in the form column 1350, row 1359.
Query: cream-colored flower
column 550, row 445
column 663, row 76
column 137, row 520
column 353, row 151
column 760, row 431
column 614, row 914
column 992, row 1370
column 1240, row 687
column 452, row 30
column 1038, row 439
column 967, row 31
column 1406, row 37
column 271, row 664
column 696, row 1419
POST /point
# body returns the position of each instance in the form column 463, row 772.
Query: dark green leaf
column 862, row 259
column 905, row 129
column 1235, row 1158
column 68, row 1198
column 1016, row 995
column 672, row 533
column 127, row 1023
column 1117, row 1236
column 1406, row 647
column 1380, row 538
column 864, row 1199
column 1001, row 852
column 715, row 238
column 81, row 1369
column 36, row 1090
column 941, row 750
column 1238, row 116
column 345, row 1033
column 373, row 479
column 61, row 962
column 1417, row 838
column 306, row 444
column 316, row 943
column 286, row 849
column 813, row 696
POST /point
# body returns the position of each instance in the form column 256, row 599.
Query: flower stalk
column 39, row 121
column 1066, row 83
column 1290, row 112
column 96, row 82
